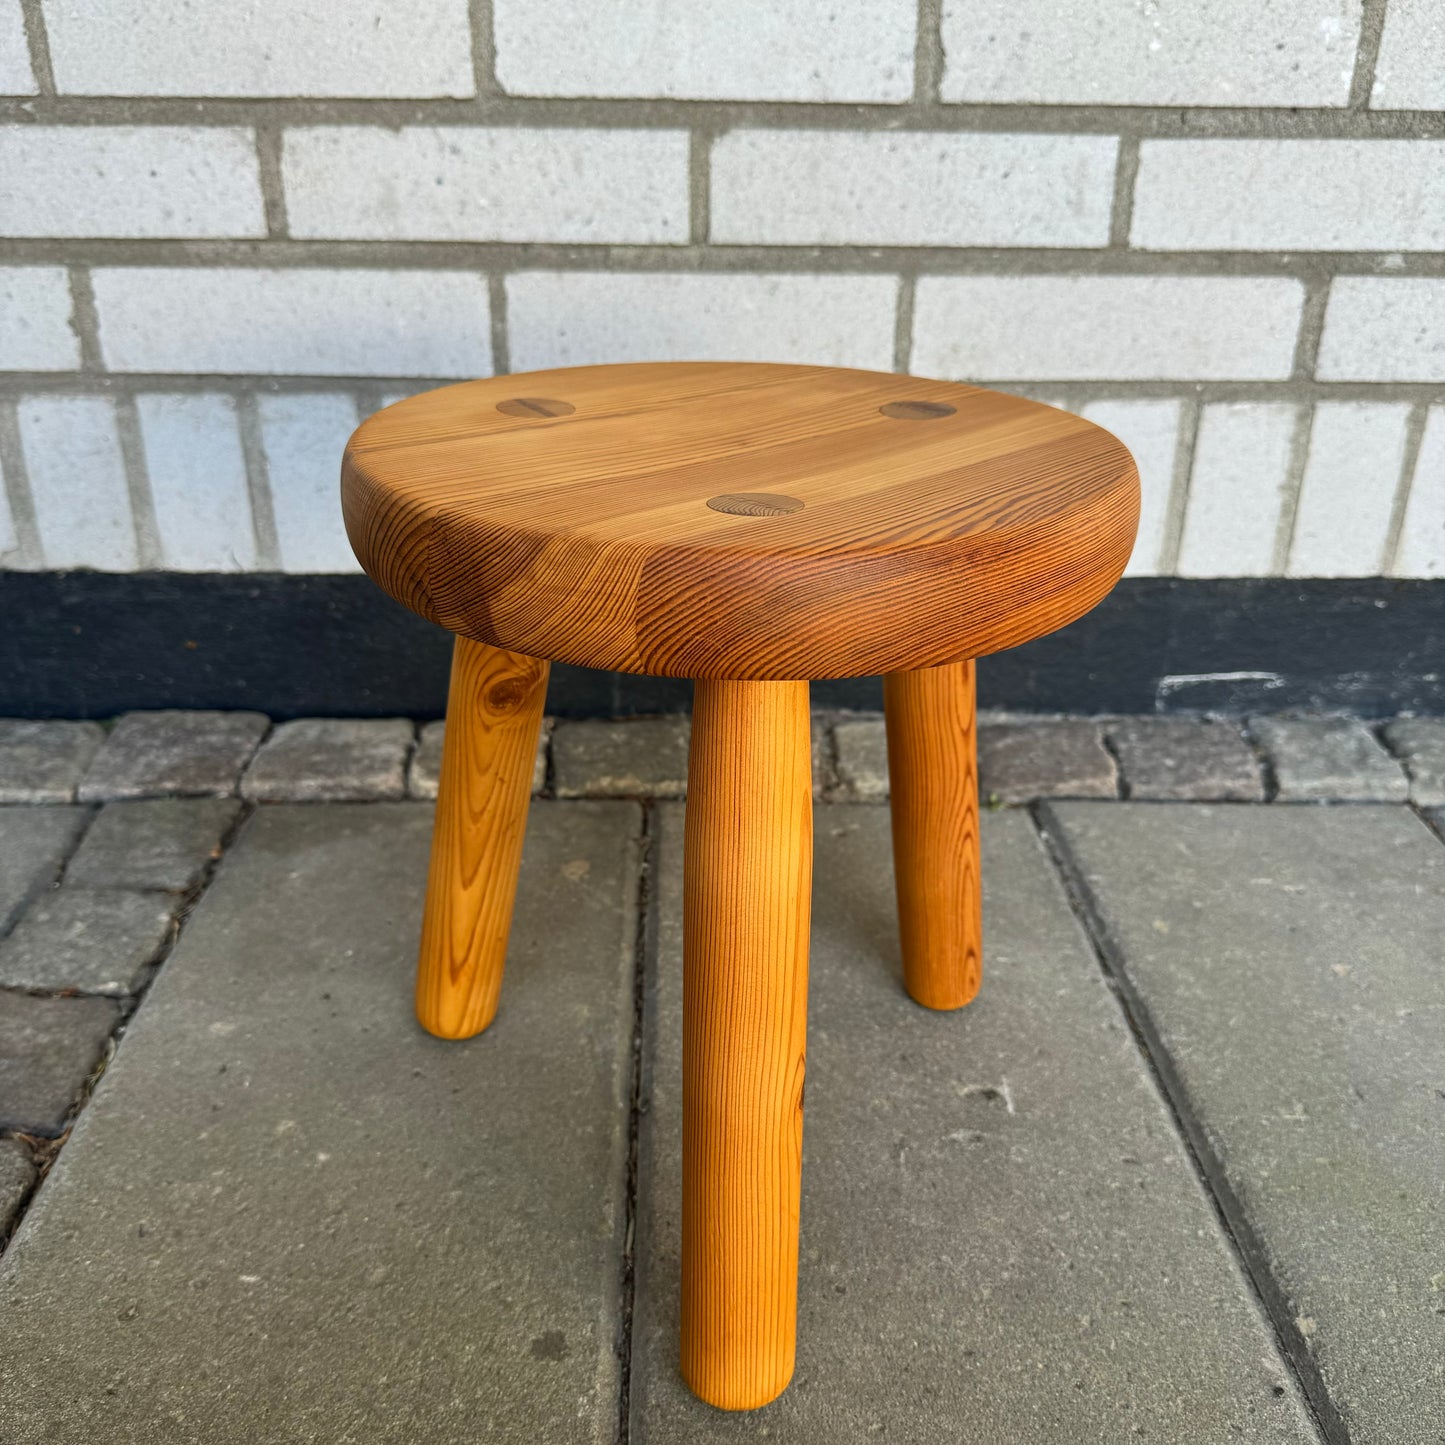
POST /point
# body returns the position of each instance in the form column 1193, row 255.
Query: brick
column 1150, row 429
column 34, row 843
column 1275, row 195
column 320, row 760
column 41, row 762
column 35, row 331
column 94, row 942
column 17, row 1174
column 424, row 774
column 189, row 754
column 382, row 48
column 747, row 50
column 77, row 482
column 302, row 438
column 861, row 749
column 1099, row 52
column 1040, row 328
column 1329, row 759
column 197, row 473
column 161, row 844
column 642, row 756
column 1185, row 759
column 475, row 184
column 304, row 322
column 1347, row 495
column 1064, row 758
column 1237, row 489
column 16, row 76
column 48, row 1049
column 886, row 188
column 129, row 180
column 1419, row 742
column 1409, row 73
column 1422, row 535
column 1384, row 328
column 583, row 318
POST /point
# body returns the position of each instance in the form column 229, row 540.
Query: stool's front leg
column 933, row 788
column 494, row 714
column 746, row 906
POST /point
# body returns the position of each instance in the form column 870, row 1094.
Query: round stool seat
column 739, row 520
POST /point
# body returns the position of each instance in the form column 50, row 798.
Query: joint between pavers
column 1233, row 1220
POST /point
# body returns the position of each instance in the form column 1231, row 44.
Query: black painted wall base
column 90, row 644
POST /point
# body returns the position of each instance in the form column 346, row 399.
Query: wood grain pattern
column 933, row 793
column 937, row 521
column 746, row 907
column 494, row 714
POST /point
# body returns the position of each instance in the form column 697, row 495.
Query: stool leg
column 933, row 786
column 746, row 906
column 494, row 713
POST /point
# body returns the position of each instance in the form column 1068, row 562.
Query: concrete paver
column 41, row 762
column 1045, row 758
column 94, row 940
column 1290, row 960
column 1190, row 759
column 17, row 1174
column 155, row 843
column 1003, row 1238
column 325, row 760
column 861, row 744
column 48, row 1048
column 152, row 754
column 424, row 774
column 1321, row 759
column 34, row 843
column 1420, row 743
column 289, row 1215
column 641, row 757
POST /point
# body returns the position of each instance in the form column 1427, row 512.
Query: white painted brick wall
column 303, row 437
column 465, row 184
column 911, row 189
column 1106, row 327
column 1237, row 489
column 1347, row 496
column 197, row 471
column 1280, row 195
column 67, row 180
column 1410, row 68
column 820, row 50
column 1150, row 429
column 580, row 319
column 1125, row 52
column 16, row 76
column 396, row 48
column 1384, row 329
column 35, row 333
column 77, row 482
column 311, row 322
column 1422, row 538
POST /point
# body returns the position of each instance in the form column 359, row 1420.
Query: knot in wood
column 754, row 504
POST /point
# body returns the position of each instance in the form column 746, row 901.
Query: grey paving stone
column 861, row 746
column 17, row 1174
column 289, row 1214
column 329, row 760
column 1003, row 1238
column 1045, row 758
column 41, row 762
column 639, row 756
column 157, row 843
column 48, row 1048
column 1185, row 759
column 1325, row 759
column 424, row 774
column 1420, row 743
column 152, row 754
column 1290, row 959
column 820, row 739
column 94, row 940
column 34, row 843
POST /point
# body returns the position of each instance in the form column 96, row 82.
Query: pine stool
column 750, row 527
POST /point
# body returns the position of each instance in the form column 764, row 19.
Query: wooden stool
column 750, row 527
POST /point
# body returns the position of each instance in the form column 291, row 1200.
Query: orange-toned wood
column 494, row 714
column 933, row 792
column 739, row 520
column 746, row 904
